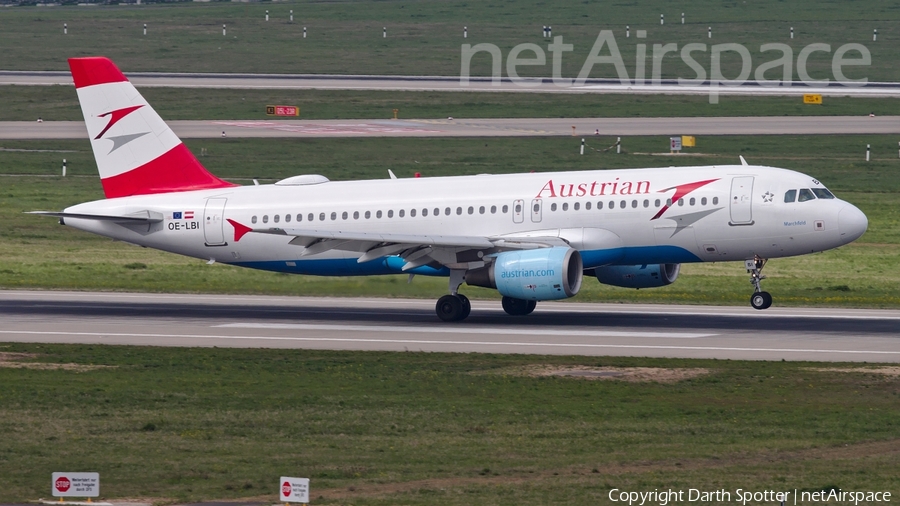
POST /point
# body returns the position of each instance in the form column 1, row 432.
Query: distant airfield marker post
column 65, row 28
column 875, row 35
column 384, row 32
column 662, row 19
column 545, row 31
column 145, row 28
column 304, row 32
column 868, row 151
column 223, row 29
column 792, row 32
column 627, row 31
column 549, row 32
column 682, row 18
column 267, row 14
column 618, row 145
column 465, row 32
column 709, row 32
column 582, row 146
column 292, row 15
column 64, row 168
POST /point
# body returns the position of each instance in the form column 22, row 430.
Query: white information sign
column 675, row 143
column 75, row 485
column 294, row 489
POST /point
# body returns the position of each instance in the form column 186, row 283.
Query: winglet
column 239, row 230
column 743, row 162
column 392, row 174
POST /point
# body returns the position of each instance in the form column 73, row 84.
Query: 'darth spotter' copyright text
column 741, row 496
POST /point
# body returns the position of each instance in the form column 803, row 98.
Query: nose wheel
column 760, row 299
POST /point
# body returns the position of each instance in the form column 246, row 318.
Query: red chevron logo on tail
column 115, row 116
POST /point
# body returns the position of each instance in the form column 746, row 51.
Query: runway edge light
column 293, row 490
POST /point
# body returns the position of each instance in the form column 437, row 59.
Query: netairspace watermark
column 741, row 496
column 606, row 52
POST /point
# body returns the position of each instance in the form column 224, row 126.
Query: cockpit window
column 805, row 194
column 790, row 196
column 822, row 193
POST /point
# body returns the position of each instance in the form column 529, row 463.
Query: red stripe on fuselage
column 94, row 70
column 175, row 171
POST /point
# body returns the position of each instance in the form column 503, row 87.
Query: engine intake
column 638, row 276
column 537, row 274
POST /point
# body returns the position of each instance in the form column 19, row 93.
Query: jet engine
column 638, row 276
column 537, row 274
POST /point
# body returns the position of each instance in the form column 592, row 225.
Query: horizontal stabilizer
column 138, row 217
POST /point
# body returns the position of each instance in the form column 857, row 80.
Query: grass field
column 175, row 424
column 425, row 38
column 36, row 252
column 59, row 103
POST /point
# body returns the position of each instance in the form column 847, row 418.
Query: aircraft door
column 536, row 210
column 214, row 222
column 741, row 199
column 518, row 211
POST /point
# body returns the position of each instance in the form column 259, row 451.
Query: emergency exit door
column 214, row 222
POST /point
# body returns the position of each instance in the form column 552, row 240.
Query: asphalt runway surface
column 453, row 83
column 522, row 127
column 831, row 335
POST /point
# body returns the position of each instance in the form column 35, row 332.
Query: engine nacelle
column 638, row 276
column 536, row 274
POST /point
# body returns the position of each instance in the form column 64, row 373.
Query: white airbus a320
column 532, row 236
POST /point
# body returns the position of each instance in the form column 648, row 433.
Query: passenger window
column 693, row 201
column 565, row 206
column 368, row 214
column 299, row 217
column 669, row 202
column 587, row 206
column 553, row 206
column 535, row 208
column 275, row 218
column 623, row 204
column 471, row 210
column 287, row 218
column 253, row 219
column 681, row 202
column 634, row 204
column 321, row 216
column 493, row 209
column 599, row 205
column 333, row 216
column 715, row 201
column 646, row 203
column 412, row 213
column 355, row 215
column 265, row 218
column 518, row 208
column 805, row 194
column 703, row 201
column 505, row 209
column 447, row 211
column 656, row 203
column 344, row 215
column 790, row 196
column 822, row 193
column 437, row 212
column 378, row 214
column 612, row 204
column 576, row 206
column 425, row 211
column 481, row 210
column 459, row 211
column 390, row 213
column 401, row 213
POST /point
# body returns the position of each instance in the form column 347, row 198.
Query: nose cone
column 852, row 223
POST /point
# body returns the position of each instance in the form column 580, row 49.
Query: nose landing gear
column 760, row 299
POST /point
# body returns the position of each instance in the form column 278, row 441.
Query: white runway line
column 463, row 330
column 458, row 343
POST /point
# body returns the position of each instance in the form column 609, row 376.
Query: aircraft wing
column 417, row 250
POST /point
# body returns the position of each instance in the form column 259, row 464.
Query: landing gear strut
column 456, row 306
column 759, row 299
column 518, row 307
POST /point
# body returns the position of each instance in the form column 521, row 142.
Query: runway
column 452, row 84
column 410, row 325
column 522, row 127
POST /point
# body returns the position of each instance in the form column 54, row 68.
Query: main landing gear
column 759, row 299
column 456, row 306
